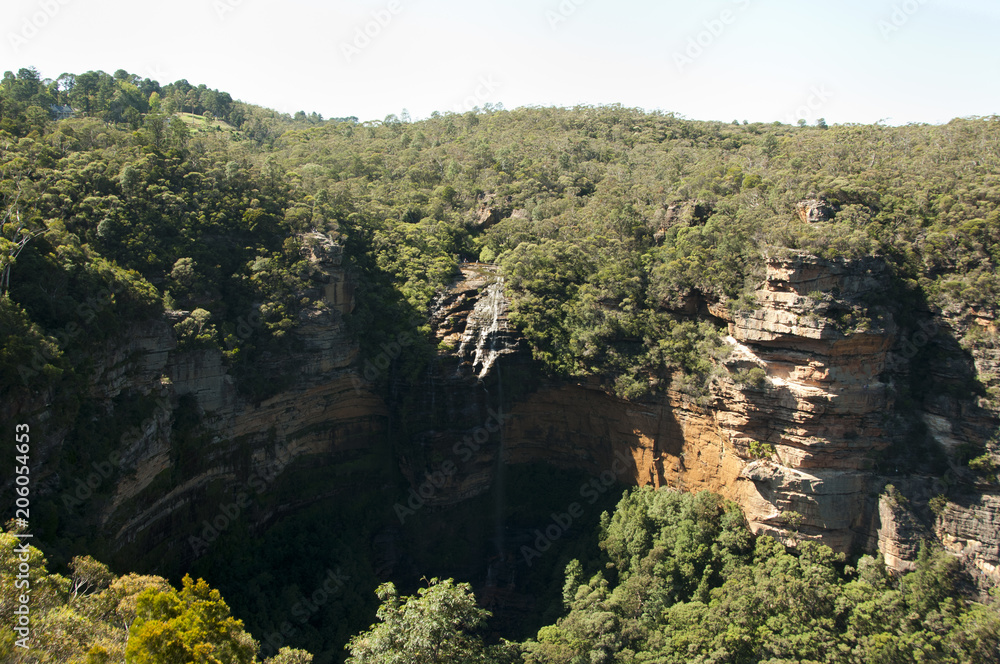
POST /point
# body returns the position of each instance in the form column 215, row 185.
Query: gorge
column 810, row 436
column 291, row 355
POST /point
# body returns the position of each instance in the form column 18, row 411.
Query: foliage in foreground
column 95, row 617
column 682, row 580
column 686, row 582
column 436, row 626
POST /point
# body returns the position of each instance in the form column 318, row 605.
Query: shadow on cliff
column 936, row 418
column 870, row 407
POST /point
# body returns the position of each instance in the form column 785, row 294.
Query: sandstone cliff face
column 470, row 321
column 162, row 491
column 797, row 444
column 821, row 407
column 812, row 419
column 795, row 431
column 969, row 528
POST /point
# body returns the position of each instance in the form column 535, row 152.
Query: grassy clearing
column 199, row 123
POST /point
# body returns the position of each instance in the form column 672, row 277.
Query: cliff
column 204, row 444
column 807, row 444
column 804, row 429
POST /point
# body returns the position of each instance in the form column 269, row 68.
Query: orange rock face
column 796, row 446
column 799, row 440
column 793, row 431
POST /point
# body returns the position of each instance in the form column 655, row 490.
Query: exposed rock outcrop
column 970, row 527
column 795, row 443
column 491, row 212
column 821, row 406
column 470, row 320
column 813, row 210
column 794, row 433
column 163, row 488
column 897, row 533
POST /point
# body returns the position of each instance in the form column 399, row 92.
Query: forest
column 177, row 197
column 671, row 578
column 606, row 222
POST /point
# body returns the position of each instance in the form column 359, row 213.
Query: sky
column 850, row 61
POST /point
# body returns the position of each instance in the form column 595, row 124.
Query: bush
column 754, row 378
column 195, row 332
column 760, row 450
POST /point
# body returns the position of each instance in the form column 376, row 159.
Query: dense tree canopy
column 687, row 582
column 684, row 580
column 608, row 222
column 193, row 625
column 681, row 579
column 609, row 225
column 436, row 626
column 96, row 617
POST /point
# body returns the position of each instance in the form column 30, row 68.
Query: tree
column 89, row 575
column 193, row 625
column 290, row 656
column 118, row 603
column 155, row 125
column 195, row 331
column 771, row 145
column 431, row 627
column 183, row 274
column 82, row 94
column 179, row 132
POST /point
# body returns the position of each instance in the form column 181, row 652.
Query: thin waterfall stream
column 500, row 493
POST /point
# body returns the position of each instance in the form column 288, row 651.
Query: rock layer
column 795, row 443
column 793, row 431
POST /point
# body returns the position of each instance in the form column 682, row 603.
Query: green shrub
column 938, row 504
column 760, row 450
column 753, row 378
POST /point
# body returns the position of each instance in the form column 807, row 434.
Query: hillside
column 400, row 347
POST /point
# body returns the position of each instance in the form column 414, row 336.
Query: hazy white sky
column 846, row 61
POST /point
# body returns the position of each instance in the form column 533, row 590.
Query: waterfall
column 485, row 338
column 483, row 327
column 500, row 493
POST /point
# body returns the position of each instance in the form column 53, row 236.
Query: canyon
column 802, row 425
column 801, row 448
